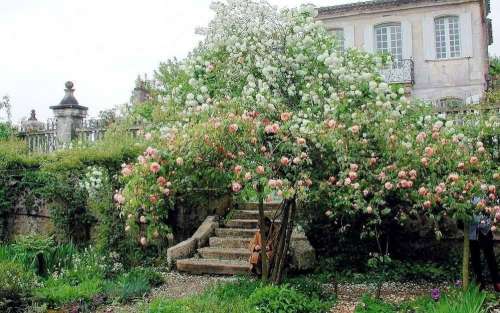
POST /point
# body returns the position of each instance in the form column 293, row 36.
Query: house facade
column 439, row 47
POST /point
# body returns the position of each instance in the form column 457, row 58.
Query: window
column 338, row 33
column 449, row 103
column 447, row 37
column 388, row 39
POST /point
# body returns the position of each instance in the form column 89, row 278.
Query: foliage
column 58, row 292
column 15, row 280
column 133, row 284
column 243, row 296
column 271, row 299
column 470, row 301
column 495, row 66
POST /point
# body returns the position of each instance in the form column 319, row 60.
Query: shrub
column 274, row 299
column 15, row 280
column 59, row 291
column 133, row 284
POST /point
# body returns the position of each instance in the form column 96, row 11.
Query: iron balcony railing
column 401, row 71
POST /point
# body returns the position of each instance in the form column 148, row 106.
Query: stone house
column 439, row 47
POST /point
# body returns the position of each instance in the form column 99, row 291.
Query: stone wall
column 29, row 215
column 190, row 212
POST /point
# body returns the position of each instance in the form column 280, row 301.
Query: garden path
column 176, row 285
column 349, row 295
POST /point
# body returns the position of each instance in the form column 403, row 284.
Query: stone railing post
column 69, row 116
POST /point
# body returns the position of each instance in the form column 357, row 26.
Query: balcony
column 401, row 72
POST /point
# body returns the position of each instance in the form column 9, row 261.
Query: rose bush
column 268, row 105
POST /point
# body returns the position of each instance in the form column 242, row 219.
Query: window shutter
column 349, row 36
column 406, row 29
column 368, row 40
column 466, row 34
column 429, row 38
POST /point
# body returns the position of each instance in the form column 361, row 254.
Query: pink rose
column 421, row 137
column 296, row 160
column 402, row 174
column 332, row 179
column 272, row 129
column 233, row 128
column 301, row 141
column 481, row 150
column 272, row 183
column 154, row 167
column 429, row 151
column 413, row 174
column 425, row 161
column 422, row 191
column 453, row 177
column 127, row 170
column 354, row 167
column 248, row 176
column 331, row 123
column 369, row 210
column 355, row 129
column 427, row 204
column 285, row 116
column 143, row 241
column 461, row 165
column 473, row 160
column 236, row 187
column 119, row 198
column 353, row 175
column 388, row 185
column 284, row 161
column 162, row 181
column 142, row 219
column 238, row 169
column 260, row 170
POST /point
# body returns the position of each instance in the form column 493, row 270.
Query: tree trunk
column 465, row 260
column 280, row 244
column 263, row 254
column 282, row 261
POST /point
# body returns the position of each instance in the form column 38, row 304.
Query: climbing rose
column 236, row 187
column 161, row 181
column 301, row 141
column 285, row 116
column 154, row 167
column 260, row 170
column 248, row 175
column 429, row 151
column 238, row 169
column 233, row 128
column 142, row 219
column 285, row 161
column 473, row 160
column 127, row 170
column 144, row 241
column 119, row 198
column 388, row 186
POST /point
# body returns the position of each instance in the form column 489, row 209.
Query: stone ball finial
column 69, row 85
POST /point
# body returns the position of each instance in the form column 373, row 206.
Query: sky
column 102, row 45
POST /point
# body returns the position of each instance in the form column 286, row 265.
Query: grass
column 244, row 296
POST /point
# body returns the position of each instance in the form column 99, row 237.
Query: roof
column 69, row 100
column 371, row 5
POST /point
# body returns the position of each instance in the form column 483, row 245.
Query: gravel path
column 176, row 285
column 349, row 295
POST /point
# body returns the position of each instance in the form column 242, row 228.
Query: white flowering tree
column 268, row 105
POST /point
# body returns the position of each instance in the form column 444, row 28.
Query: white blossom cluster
column 268, row 59
column 93, row 180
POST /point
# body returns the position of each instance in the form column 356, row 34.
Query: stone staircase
column 228, row 251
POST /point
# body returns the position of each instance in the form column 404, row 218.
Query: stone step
column 230, row 242
column 255, row 206
column 236, row 232
column 224, row 253
column 242, row 223
column 212, row 266
column 251, row 214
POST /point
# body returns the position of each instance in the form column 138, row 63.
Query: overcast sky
column 101, row 45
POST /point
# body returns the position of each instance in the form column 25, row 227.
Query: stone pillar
column 69, row 116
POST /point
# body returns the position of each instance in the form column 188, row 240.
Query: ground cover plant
column 245, row 296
